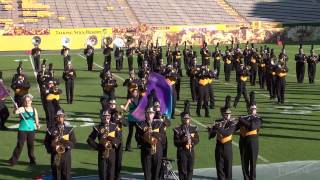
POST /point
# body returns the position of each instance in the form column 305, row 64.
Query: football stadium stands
column 121, row 13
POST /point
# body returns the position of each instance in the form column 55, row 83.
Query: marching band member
column 108, row 85
column 312, row 65
column 20, row 85
column 300, row 59
column 59, row 141
column 52, row 95
column 223, row 129
column 248, row 144
column 89, row 53
column 149, row 137
column 107, row 142
column 69, row 75
column 185, row 138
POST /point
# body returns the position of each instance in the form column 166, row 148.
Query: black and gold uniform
column 185, row 138
column 52, row 94
column 69, row 75
column 149, row 137
column 223, row 129
column 109, row 85
column 227, row 65
column 203, row 97
column 281, row 71
column 301, row 60
column 59, row 141
column 312, row 61
column 241, row 85
column 217, row 57
column 106, row 133
column 249, row 144
column 89, row 53
column 205, row 54
column 20, row 85
column 107, row 52
column 36, row 52
column 118, row 55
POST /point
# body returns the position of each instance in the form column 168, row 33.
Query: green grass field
column 290, row 131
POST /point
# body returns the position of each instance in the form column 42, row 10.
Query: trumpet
column 106, row 143
column 189, row 137
column 59, row 147
column 150, row 139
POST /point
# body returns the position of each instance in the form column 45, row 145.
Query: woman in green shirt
column 29, row 122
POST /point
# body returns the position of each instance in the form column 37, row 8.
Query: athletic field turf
column 290, row 132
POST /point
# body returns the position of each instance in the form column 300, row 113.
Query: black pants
column 262, row 78
column 216, row 66
column 107, row 60
column 177, row 86
column 62, row 171
column 194, row 88
column 211, row 96
column 227, row 71
column 300, row 69
column 106, row 166
column 253, row 76
column 4, row 114
column 52, row 108
column 312, row 69
column 118, row 161
column 271, row 86
column 130, row 63
column 131, row 125
column 90, row 62
column 36, row 61
column 249, row 148
column 151, row 164
column 24, row 136
column 281, row 85
column 202, row 99
column 241, row 90
column 118, row 63
column 223, row 156
column 185, row 163
column 69, row 84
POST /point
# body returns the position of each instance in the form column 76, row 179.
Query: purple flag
column 3, row 91
column 163, row 93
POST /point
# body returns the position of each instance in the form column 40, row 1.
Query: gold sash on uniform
column 228, row 61
column 51, row 97
column 21, row 91
column 244, row 132
column 244, row 78
column 225, row 139
column 203, row 82
column 282, row 74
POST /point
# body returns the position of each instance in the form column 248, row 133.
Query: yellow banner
column 53, row 41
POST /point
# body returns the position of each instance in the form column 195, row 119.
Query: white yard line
column 34, row 72
column 194, row 120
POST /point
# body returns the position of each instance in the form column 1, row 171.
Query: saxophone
column 188, row 135
column 151, row 140
column 106, row 143
column 59, row 147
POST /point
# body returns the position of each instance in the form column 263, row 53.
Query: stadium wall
column 20, row 39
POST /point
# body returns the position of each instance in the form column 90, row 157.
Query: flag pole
column 15, row 105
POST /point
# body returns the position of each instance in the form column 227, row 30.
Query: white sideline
column 194, row 120
column 34, row 72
